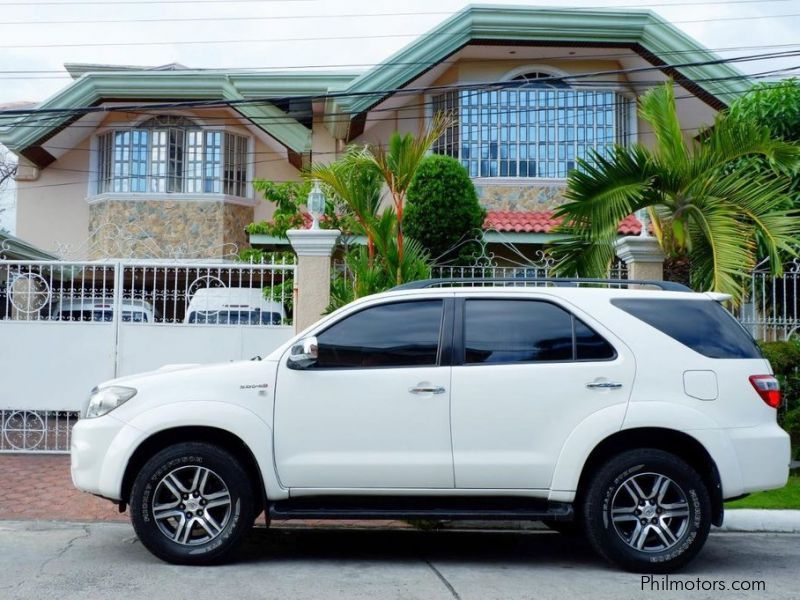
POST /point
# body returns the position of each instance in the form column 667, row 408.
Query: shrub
column 785, row 360
column 443, row 212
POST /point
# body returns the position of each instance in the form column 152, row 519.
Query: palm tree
column 358, row 186
column 398, row 161
column 701, row 206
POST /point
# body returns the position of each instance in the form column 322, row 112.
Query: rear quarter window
column 702, row 325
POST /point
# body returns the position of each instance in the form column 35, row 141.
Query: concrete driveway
column 41, row 560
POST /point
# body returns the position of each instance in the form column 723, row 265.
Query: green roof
column 642, row 31
column 14, row 248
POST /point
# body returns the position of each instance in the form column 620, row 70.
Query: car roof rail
column 667, row 286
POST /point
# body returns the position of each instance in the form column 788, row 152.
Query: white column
column 312, row 280
column 643, row 255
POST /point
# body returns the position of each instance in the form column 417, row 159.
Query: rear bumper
column 763, row 454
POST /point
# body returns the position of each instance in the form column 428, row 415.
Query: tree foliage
column 699, row 206
column 289, row 198
column 443, row 212
column 355, row 187
column 776, row 107
column 398, row 162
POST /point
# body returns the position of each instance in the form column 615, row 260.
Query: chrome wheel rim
column 191, row 505
column 650, row 512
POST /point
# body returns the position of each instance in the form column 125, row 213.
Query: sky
column 38, row 36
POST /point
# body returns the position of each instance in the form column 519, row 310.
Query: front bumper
column 96, row 457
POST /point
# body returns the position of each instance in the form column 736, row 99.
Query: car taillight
column 768, row 388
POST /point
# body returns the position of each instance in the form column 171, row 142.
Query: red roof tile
column 514, row 221
column 542, row 222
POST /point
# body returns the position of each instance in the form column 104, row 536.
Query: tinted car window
column 509, row 331
column 590, row 345
column 389, row 335
column 702, row 325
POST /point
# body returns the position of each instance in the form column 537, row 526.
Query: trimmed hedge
column 442, row 209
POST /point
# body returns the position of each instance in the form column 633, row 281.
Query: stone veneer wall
column 520, row 197
column 166, row 228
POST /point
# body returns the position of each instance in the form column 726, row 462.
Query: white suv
column 626, row 415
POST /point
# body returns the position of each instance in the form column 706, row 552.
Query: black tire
column 230, row 522
column 568, row 528
column 681, row 537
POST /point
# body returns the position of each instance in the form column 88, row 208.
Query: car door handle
column 427, row 389
column 603, row 385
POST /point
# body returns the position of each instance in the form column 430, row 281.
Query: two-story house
column 156, row 162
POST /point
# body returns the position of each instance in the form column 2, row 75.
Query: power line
column 378, row 94
column 547, row 123
column 49, row 121
column 138, row 2
column 183, row 19
column 338, row 38
column 106, row 4
column 270, row 70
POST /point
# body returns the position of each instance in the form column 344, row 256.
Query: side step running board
column 397, row 509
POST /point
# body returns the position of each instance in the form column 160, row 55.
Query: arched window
column 538, row 79
column 535, row 126
column 172, row 154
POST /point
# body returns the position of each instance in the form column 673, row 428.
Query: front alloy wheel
column 647, row 511
column 192, row 503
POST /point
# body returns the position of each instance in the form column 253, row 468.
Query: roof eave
column 656, row 39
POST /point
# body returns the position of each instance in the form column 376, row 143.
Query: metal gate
column 770, row 308
column 67, row 326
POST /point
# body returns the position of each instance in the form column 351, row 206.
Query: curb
column 761, row 520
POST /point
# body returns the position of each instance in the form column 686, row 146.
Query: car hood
column 168, row 373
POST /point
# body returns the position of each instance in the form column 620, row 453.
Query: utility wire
column 268, row 69
column 340, row 38
column 281, row 159
column 104, row 3
column 48, row 121
column 379, row 94
column 184, row 19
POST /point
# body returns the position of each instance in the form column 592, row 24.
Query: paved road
column 42, row 560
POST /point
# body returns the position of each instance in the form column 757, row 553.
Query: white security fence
column 66, row 326
column 770, row 308
column 540, row 270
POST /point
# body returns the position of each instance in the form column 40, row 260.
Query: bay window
column 172, row 155
column 531, row 129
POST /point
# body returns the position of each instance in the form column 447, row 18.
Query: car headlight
column 103, row 401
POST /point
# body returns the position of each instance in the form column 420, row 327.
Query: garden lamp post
column 316, row 204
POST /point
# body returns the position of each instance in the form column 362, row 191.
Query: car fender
column 245, row 424
column 593, row 430
column 577, row 448
column 697, row 424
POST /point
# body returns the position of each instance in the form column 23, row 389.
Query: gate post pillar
column 642, row 255
column 312, row 279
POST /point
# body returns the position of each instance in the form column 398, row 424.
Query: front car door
column 374, row 410
column 526, row 372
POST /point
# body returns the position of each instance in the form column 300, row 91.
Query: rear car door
column 526, row 372
column 374, row 410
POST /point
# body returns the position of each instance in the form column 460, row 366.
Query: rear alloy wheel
column 192, row 503
column 647, row 511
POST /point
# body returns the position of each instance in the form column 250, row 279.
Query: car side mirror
column 303, row 354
